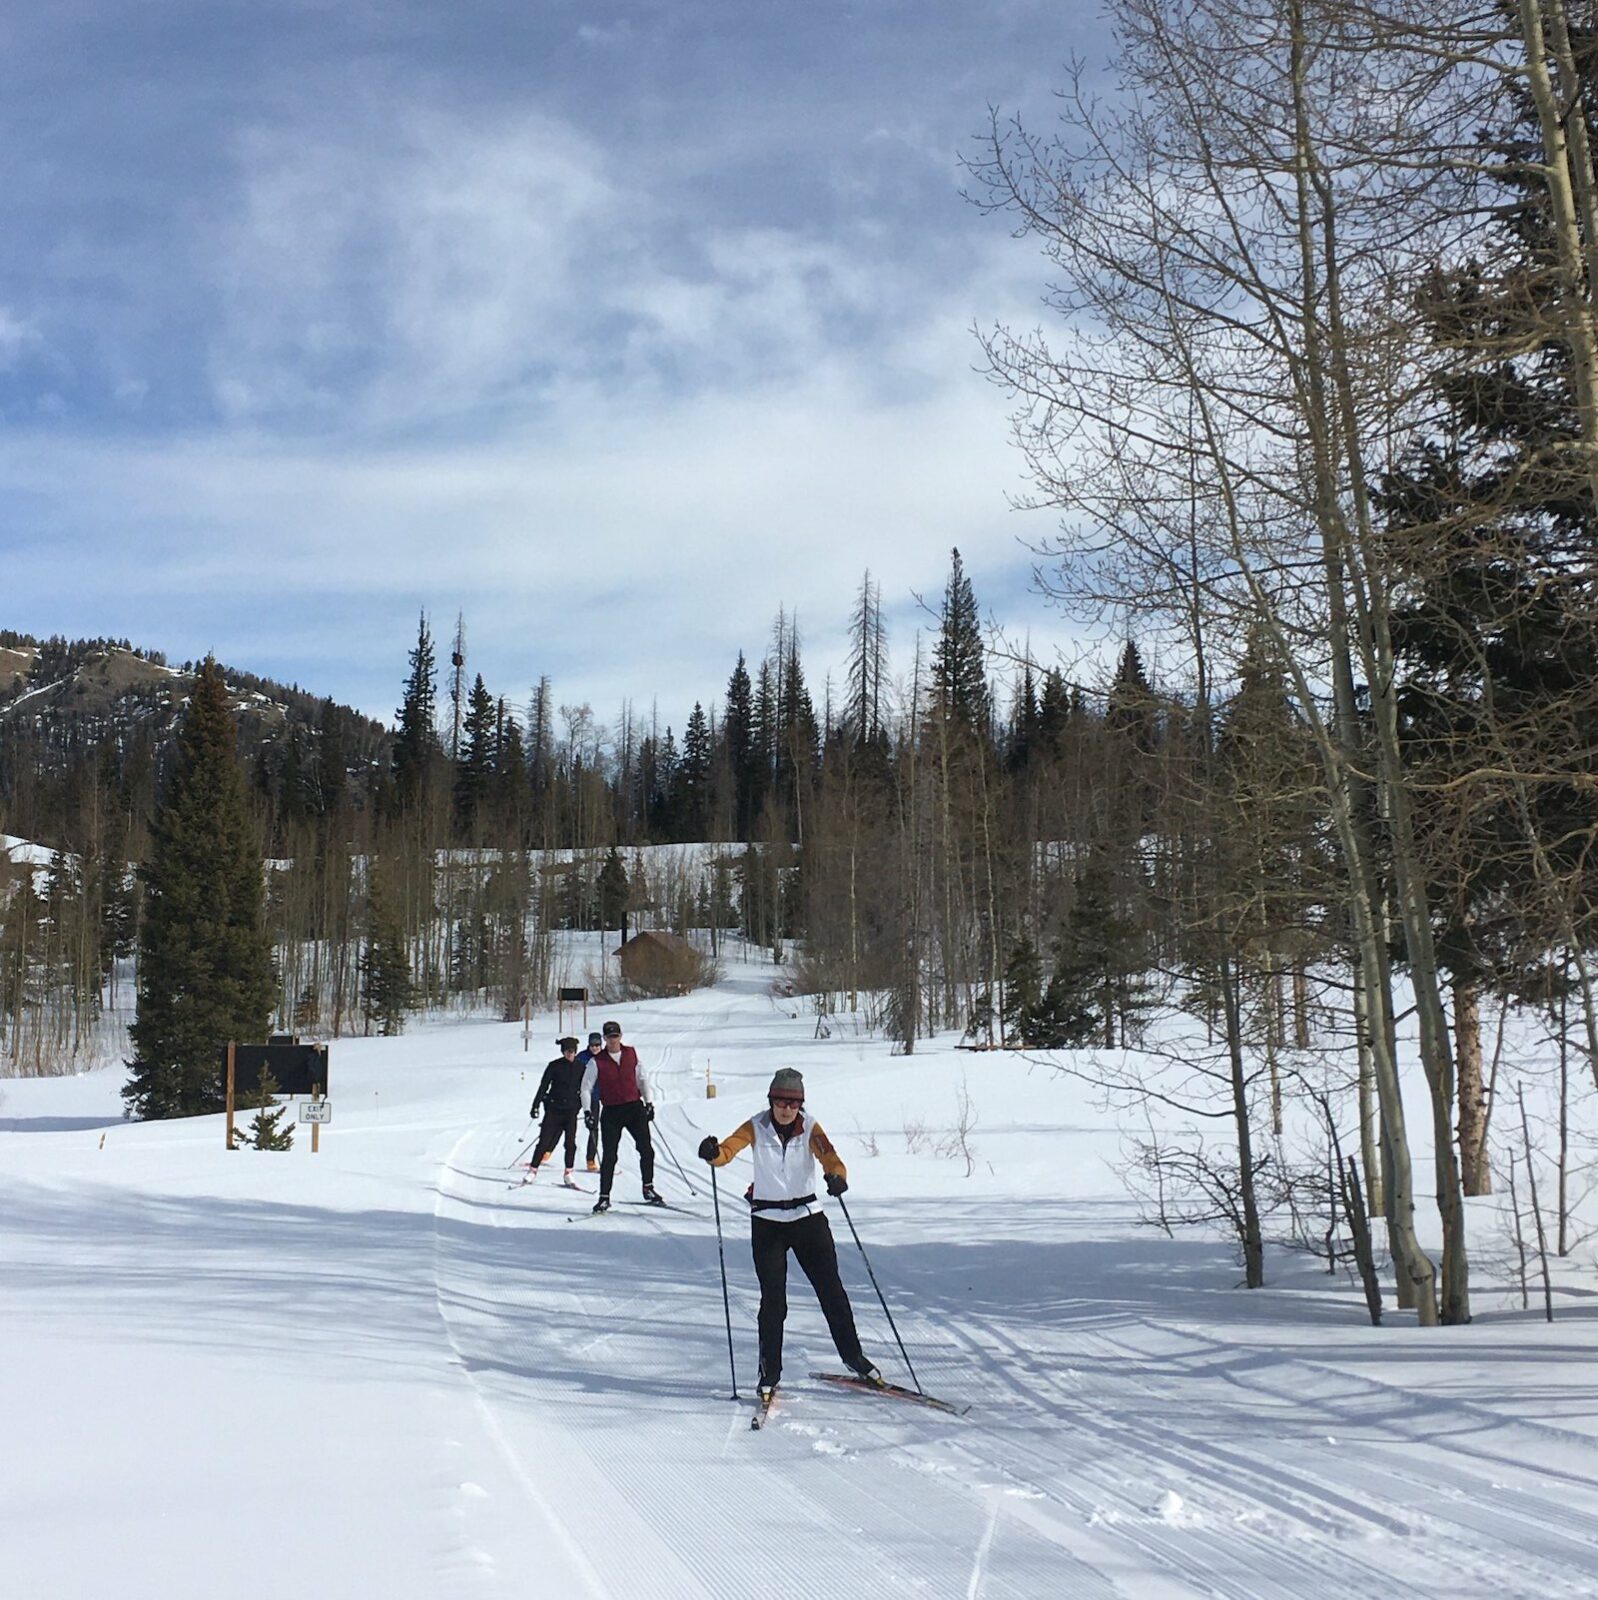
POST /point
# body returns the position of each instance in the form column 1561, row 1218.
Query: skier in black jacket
column 560, row 1098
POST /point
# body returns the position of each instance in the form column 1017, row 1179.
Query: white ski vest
column 785, row 1168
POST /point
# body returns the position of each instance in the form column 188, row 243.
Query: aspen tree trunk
column 1253, row 1244
column 1338, row 461
column 994, row 970
column 1369, row 1135
column 1475, row 1173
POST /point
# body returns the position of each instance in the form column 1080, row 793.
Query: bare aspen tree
column 1225, row 239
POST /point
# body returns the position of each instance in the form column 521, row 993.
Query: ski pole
column 715, row 1193
column 878, row 1287
column 671, row 1156
column 523, row 1151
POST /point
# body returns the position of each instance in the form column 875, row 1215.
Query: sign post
column 295, row 1068
column 230, row 1099
column 573, row 997
column 316, row 1111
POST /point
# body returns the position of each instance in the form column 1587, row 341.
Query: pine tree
column 474, row 772
column 738, row 738
column 1023, row 988
column 416, row 747
column 205, row 964
column 613, row 891
column 959, row 663
column 386, row 989
column 266, row 1131
column 693, row 777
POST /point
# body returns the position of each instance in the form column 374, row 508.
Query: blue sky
column 612, row 328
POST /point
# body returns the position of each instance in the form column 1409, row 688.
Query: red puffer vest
column 618, row 1078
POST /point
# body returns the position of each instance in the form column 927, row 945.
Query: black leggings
column 612, row 1120
column 557, row 1123
column 810, row 1239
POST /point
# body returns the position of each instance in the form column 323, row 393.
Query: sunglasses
column 787, row 1100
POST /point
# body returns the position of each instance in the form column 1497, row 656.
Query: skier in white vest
column 787, row 1216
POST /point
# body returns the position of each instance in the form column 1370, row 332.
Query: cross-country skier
column 591, row 1118
column 787, row 1217
column 614, row 1080
column 560, row 1097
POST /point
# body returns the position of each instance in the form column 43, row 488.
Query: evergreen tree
column 386, row 989
column 1492, row 523
column 738, row 737
column 766, row 728
column 510, row 780
column 959, row 663
column 1053, row 712
column 613, row 891
column 1132, row 723
column 693, row 777
column 474, row 773
column 416, row 747
column 205, row 964
column 1023, row 988
column 266, row 1131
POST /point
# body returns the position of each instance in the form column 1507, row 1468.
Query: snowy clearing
column 382, row 1370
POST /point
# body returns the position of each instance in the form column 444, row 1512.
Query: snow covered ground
column 381, row 1370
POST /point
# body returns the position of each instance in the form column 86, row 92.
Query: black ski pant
column 810, row 1239
column 633, row 1118
column 593, row 1139
column 555, row 1124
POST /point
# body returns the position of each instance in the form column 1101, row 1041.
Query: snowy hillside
column 380, row 1370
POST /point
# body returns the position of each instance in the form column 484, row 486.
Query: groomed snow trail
column 411, row 1379
column 1102, row 1457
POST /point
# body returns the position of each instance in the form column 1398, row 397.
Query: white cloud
column 16, row 336
column 606, row 35
column 692, row 522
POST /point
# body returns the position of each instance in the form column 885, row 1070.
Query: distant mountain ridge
column 78, row 713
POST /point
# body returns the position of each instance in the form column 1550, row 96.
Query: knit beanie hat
column 787, row 1082
column 568, row 1043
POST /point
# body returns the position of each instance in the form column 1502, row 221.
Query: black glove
column 533, row 1113
column 649, row 1111
column 709, row 1147
column 836, row 1184
column 590, row 1121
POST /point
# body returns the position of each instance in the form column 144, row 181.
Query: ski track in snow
column 555, row 1401
column 1055, row 1484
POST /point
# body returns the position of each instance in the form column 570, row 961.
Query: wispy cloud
column 506, row 310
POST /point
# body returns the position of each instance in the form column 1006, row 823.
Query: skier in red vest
column 614, row 1079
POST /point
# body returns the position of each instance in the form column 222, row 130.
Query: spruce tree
column 1023, row 988
column 693, row 777
column 266, row 1130
column 416, row 747
column 474, row 772
column 386, row 989
column 205, row 964
column 613, row 891
column 738, row 737
column 959, row 663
